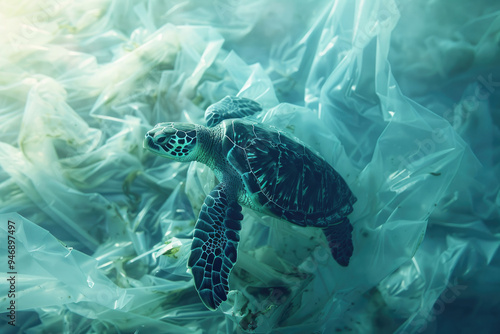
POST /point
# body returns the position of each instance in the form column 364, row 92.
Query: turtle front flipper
column 230, row 107
column 215, row 244
column 340, row 241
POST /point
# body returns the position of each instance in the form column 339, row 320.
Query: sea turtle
column 262, row 168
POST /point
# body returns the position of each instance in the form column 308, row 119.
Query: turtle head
column 175, row 141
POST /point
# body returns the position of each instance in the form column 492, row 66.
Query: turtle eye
column 161, row 140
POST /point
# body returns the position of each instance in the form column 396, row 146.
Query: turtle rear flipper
column 215, row 244
column 339, row 237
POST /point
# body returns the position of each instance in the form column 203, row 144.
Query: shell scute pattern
column 286, row 177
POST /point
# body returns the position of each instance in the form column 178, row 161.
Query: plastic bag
column 81, row 83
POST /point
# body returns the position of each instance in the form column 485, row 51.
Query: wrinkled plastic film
column 107, row 228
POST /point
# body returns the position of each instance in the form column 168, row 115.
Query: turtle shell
column 285, row 177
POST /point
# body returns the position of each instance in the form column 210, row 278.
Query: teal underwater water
column 402, row 98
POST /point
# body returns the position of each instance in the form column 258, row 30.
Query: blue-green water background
column 401, row 97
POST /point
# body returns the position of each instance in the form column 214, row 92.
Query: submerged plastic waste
column 403, row 110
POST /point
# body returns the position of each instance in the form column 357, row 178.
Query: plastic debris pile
column 402, row 98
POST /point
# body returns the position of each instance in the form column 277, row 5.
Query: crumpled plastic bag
column 108, row 226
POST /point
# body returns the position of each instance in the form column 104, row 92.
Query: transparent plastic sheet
column 79, row 91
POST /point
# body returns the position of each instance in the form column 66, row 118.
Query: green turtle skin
column 260, row 167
